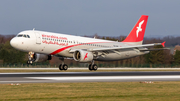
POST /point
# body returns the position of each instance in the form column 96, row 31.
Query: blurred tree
column 177, row 57
column 10, row 55
column 155, row 57
column 122, row 38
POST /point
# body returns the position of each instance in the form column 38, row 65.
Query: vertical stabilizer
column 137, row 33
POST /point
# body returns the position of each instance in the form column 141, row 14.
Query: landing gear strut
column 30, row 58
column 63, row 66
column 93, row 66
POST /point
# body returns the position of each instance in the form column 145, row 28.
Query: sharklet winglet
column 163, row 44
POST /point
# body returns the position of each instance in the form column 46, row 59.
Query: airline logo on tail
column 137, row 33
column 139, row 28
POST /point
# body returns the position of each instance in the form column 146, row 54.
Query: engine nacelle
column 36, row 57
column 83, row 56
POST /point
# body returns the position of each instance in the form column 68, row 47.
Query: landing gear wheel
column 90, row 67
column 95, row 67
column 60, row 67
column 29, row 62
column 65, row 67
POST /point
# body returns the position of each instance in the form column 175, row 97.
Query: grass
column 91, row 91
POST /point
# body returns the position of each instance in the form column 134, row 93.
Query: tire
column 65, row 67
column 29, row 62
column 60, row 67
column 90, row 67
column 95, row 67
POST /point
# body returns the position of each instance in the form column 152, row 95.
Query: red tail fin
column 137, row 33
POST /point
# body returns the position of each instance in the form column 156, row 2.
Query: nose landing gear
column 30, row 58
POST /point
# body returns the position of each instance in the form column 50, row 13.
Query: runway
column 47, row 77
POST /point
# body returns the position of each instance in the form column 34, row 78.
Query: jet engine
column 83, row 56
column 36, row 57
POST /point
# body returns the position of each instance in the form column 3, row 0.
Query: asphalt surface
column 47, row 77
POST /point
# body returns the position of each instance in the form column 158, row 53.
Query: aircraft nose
column 13, row 42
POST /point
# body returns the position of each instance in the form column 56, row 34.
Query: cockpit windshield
column 20, row 35
column 23, row 35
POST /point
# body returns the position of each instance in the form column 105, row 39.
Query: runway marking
column 19, row 81
column 107, row 77
column 48, row 73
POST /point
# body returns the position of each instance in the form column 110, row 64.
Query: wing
column 126, row 47
column 154, row 49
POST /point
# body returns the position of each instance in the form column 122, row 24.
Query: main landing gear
column 93, row 66
column 63, row 66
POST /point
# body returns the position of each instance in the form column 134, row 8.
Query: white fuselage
column 61, row 45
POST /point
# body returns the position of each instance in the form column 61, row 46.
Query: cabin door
column 38, row 38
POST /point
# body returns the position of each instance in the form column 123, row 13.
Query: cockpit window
column 21, row 35
column 28, row 36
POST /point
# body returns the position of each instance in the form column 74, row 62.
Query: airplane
column 41, row 46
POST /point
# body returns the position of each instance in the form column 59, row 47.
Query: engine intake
column 83, row 56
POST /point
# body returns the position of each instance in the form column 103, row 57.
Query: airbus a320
column 42, row 45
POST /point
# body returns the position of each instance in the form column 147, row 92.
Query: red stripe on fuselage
column 61, row 49
column 64, row 48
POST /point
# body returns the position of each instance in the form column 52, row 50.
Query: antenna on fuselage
column 33, row 29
